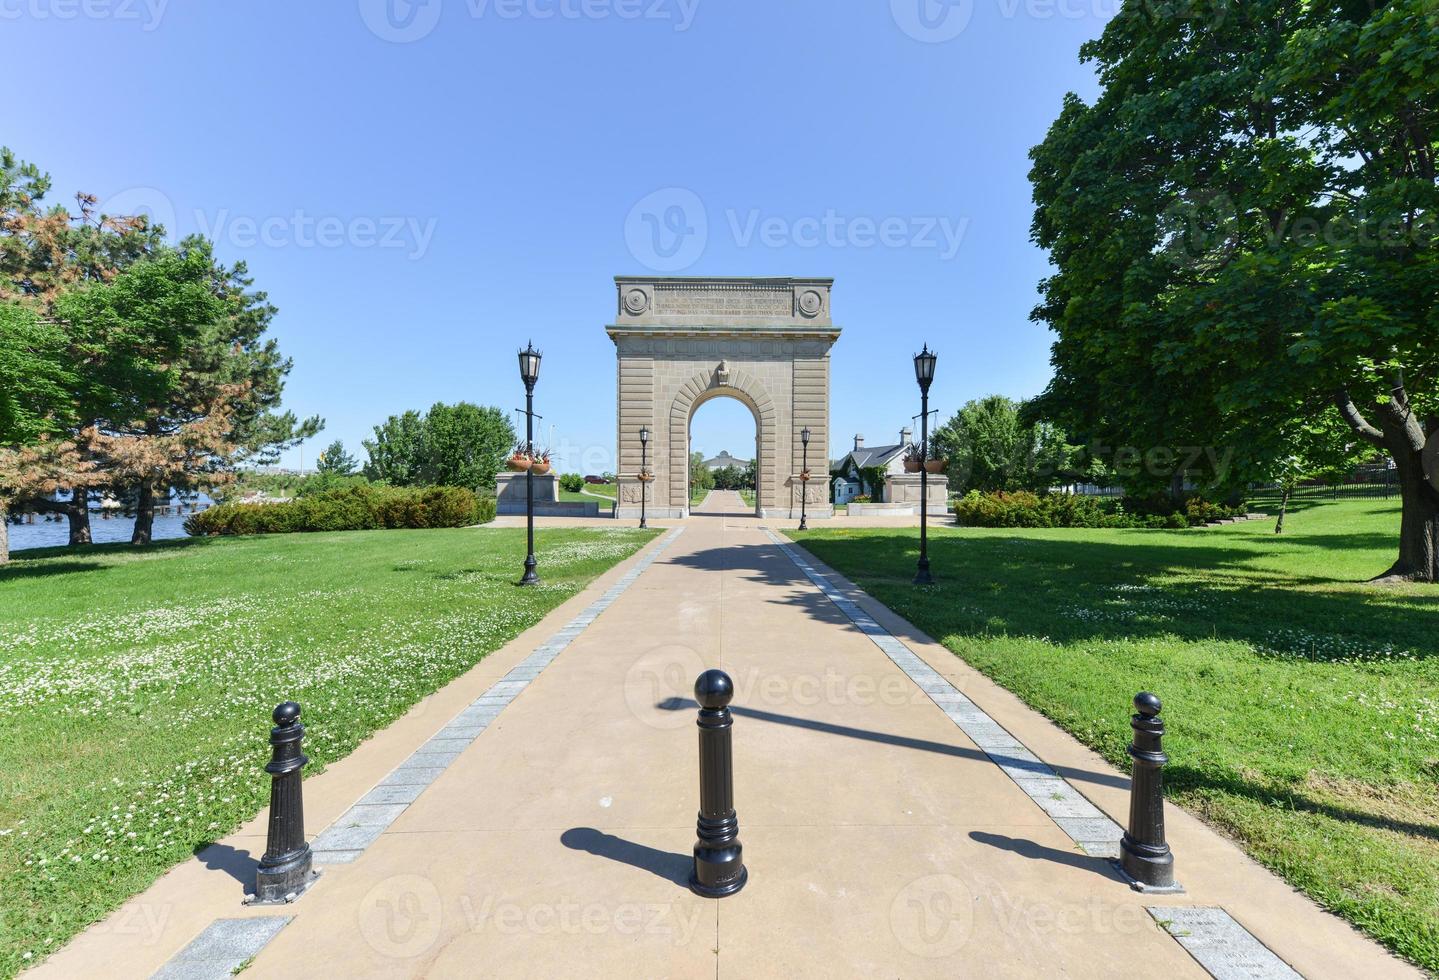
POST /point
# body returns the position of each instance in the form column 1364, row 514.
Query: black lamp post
column 644, row 464
column 529, row 374
column 804, row 480
column 924, row 374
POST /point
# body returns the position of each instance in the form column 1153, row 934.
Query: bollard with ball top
column 285, row 870
column 719, row 857
column 1145, row 857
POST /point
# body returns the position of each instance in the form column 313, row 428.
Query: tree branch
column 1403, row 422
column 1356, row 419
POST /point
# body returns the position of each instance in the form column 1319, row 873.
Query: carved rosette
column 810, row 304
column 636, row 300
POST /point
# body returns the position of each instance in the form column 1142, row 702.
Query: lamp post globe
column 924, row 363
column 530, row 374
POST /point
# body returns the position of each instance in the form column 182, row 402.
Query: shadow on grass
column 1066, row 591
column 1179, row 777
column 40, row 562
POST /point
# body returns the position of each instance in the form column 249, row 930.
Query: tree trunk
column 4, row 535
column 79, row 514
column 1402, row 435
column 1419, row 527
column 1283, row 509
column 144, row 514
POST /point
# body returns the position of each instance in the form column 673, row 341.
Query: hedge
column 353, row 508
column 1024, row 509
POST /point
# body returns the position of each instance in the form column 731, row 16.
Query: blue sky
column 423, row 187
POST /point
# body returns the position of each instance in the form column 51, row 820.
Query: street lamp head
column 924, row 367
column 644, row 434
column 804, row 435
column 530, row 365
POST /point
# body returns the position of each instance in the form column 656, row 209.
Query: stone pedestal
column 510, row 491
column 627, row 500
column 904, row 488
column 816, row 495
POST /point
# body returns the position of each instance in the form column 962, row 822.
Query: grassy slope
column 1303, row 705
column 136, row 687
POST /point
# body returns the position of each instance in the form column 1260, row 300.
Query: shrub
column 572, row 482
column 350, row 508
column 1024, row 509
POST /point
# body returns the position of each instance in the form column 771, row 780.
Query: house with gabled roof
column 849, row 477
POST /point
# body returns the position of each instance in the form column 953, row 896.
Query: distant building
column 848, row 483
column 725, row 459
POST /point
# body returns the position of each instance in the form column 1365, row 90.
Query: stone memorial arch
column 680, row 342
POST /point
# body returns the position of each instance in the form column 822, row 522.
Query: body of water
column 102, row 531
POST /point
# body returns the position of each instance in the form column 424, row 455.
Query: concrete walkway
column 880, row 839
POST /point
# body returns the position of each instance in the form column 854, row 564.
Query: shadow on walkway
column 240, row 865
column 1041, row 852
column 671, row 867
column 904, row 742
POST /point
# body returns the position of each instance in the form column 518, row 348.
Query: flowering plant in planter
column 540, row 462
column 520, row 460
column 913, row 458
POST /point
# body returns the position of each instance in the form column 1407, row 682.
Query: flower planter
column 519, row 463
column 911, row 466
column 804, row 476
column 540, row 467
column 935, row 465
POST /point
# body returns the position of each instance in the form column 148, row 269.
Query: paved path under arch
column 882, row 839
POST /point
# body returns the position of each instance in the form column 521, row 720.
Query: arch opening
column 726, row 435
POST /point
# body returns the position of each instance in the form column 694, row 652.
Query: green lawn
column 574, row 496
column 603, row 489
column 1302, row 704
column 748, row 497
column 136, row 687
column 697, row 496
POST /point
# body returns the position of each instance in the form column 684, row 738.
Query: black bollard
column 1144, row 856
column 719, row 857
column 285, row 870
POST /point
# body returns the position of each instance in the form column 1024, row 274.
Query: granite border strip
column 1224, row 948
column 222, row 948
column 360, row 826
column 1091, row 829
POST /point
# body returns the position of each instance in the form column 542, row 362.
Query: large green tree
column 45, row 252
column 990, row 444
column 1243, row 227
column 460, row 445
column 178, row 384
column 34, row 398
